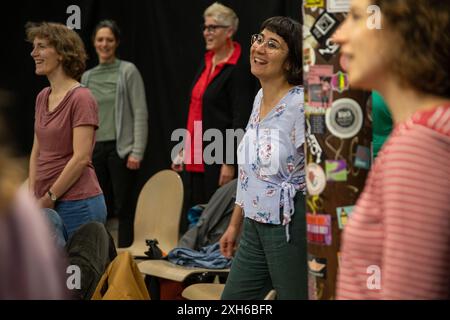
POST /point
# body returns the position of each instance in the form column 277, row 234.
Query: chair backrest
column 158, row 211
column 271, row 295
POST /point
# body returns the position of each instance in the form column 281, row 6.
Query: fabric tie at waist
column 288, row 192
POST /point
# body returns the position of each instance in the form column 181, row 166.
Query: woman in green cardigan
column 122, row 135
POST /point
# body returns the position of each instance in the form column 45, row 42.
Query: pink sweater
column 397, row 242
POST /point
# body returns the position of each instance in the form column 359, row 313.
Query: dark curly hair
column 422, row 50
column 291, row 32
column 112, row 25
column 65, row 41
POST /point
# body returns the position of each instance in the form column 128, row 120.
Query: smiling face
column 105, row 44
column 364, row 51
column 268, row 56
column 217, row 39
column 46, row 59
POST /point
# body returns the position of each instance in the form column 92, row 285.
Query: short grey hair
column 223, row 15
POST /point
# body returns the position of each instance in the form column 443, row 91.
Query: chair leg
column 153, row 287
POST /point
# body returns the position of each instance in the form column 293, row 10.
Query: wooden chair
column 170, row 271
column 271, row 295
column 158, row 213
column 203, row 291
column 167, row 270
column 213, row 291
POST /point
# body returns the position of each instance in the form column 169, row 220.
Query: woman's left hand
column 133, row 163
column 46, row 202
column 226, row 174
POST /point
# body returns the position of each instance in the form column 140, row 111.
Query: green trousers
column 266, row 261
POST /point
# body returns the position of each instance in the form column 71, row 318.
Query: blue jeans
column 76, row 213
column 57, row 227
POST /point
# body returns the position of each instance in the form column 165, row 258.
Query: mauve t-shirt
column 54, row 131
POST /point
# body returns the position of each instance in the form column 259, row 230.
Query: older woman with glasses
column 272, row 250
column 220, row 99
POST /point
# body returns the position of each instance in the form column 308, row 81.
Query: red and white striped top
column 396, row 244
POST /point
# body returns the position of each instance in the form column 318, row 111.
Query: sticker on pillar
column 362, row 158
column 308, row 39
column 336, row 170
column 339, row 82
column 317, row 267
column 313, row 110
column 338, row 6
column 324, row 27
column 311, row 141
column 312, row 288
column 318, row 229
column 309, row 57
column 329, row 49
column 314, row 147
column 318, row 125
column 345, row 118
column 314, row 3
column 315, row 179
column 320, row 95
column 343, row 214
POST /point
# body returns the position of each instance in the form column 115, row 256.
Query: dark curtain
column 162, row 37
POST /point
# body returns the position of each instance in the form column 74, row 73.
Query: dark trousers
column 117, row 183
column 194, row 194
column 198, row 189
column 265, row 260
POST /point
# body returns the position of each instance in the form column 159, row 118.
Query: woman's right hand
column 46, row 203
column 228, row 243
column 177, row 167
column 177, row 164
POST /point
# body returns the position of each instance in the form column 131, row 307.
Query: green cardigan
column 131, row 115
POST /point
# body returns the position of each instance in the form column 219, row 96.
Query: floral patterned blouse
column 271, row 160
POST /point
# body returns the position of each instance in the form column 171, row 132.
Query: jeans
column 76, row 213
column 57, row 228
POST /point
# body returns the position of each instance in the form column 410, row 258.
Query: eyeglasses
column 212, row 27
column 271, row 45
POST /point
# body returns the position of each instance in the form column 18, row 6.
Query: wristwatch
column 52, row 196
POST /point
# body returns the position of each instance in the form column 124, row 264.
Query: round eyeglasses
column 271, row 44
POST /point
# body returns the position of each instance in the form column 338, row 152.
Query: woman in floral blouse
column 271, row 173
